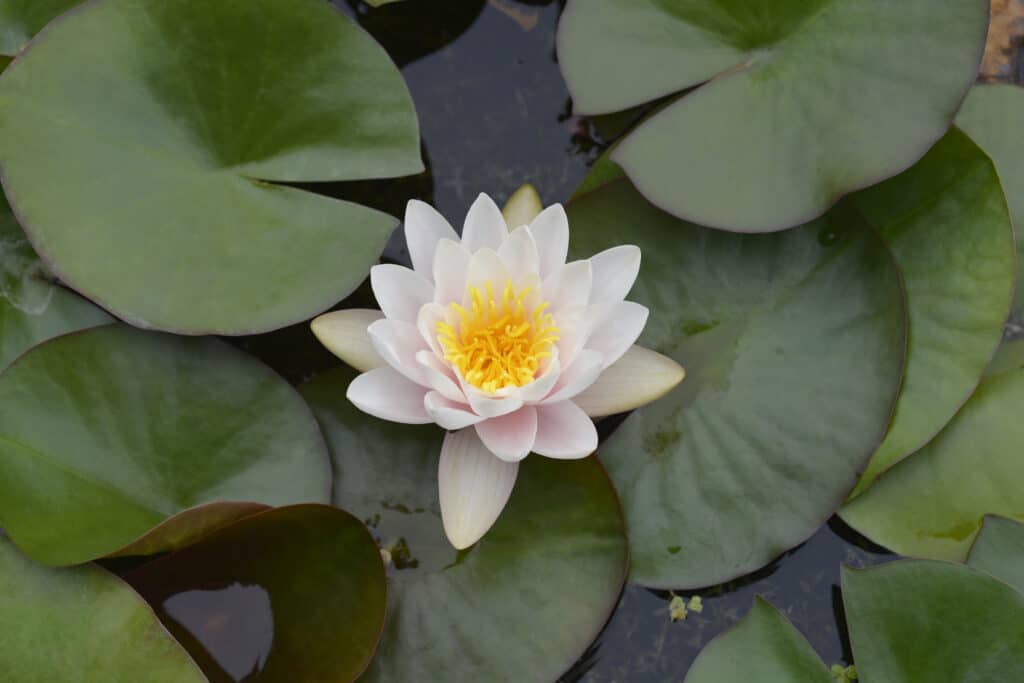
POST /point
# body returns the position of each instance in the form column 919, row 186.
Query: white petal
column 620, row 327
column 426, row 323
column 474, row 487
column 424, row 228
column 583, row 372
column 451, row 262
column 400, row 292
column 449, row 414
column 522, row 207
column 638, row 378
column 564, row 431
column 490, row 405
column 568, row 287
column 519, row 254
column 386, row 394
column 344, row 333
column 439, row 376
column 574, row 327
column 538, row 389
column 485, row 266
column 551, row 232
column 484, row 226
column 510, row 437
column 398, row 342
column 615, row 271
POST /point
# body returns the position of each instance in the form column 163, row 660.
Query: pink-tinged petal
column 386, row 394
column 345, row 334
column 568, row 287
column 617, row 329
column 424, row 228
column 492, row 405
column 615, row 271
column 398, row 342
column 485, row 266
column 473, row 487
column 426, row 323
column 400, row 292
column 449, row 414
column 573, row 331
column 511, row 436
column 583, row 372
column 538, row 389
column 484, row 227
column 551, row 233
column 450, row 265
column 564, row 431
column 440, row 377
column 638, row 378
column 522, row 207
column 519, row 254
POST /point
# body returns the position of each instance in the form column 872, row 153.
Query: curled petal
column 564, row 431
column 510, row 437
column 551, row 232
column 386, row 394
column 426, row 323
column 449, row 414
column 638, row 378
column 538, row 389
column 400, row 291
column 484, row 227
column 492, row 405
column 398, row 342
column 522, row 207
column 615, row 271
column 473, row 485
column 583, row 372
column 569, row 286
column 345, row 334
column 424, row 228
column 451, row 261
column 519, row 254
column 615, row 328
column 439, row 376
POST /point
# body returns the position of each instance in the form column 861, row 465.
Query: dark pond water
column 495, row 113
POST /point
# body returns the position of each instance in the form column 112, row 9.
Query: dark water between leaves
column 495, row 114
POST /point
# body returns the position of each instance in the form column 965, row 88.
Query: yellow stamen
column 498, row 343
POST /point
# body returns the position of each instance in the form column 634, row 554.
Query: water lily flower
column 495, row 338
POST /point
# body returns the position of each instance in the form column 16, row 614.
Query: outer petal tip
column 639, row 377
column 522, row 207
column 345, row 334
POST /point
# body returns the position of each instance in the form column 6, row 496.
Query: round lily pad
column 521, row 605
column 163, row 208
column 991, row 115
column 32, row 307
column 920, row 620
column 793, row 344
column 20, row 20
column 119, row 441
column 796, row 102
column 947, row 223
column 933, row 503
column 763, row 647
column 999, row 550
column 81, row 623
column 296, row 593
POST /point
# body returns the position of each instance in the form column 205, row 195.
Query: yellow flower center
column 499, row 342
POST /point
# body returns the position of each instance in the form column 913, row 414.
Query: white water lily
column 498, row 340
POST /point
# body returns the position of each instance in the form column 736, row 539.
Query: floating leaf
column 140, row 170
column 32, row 308
column 20, row 20
column 999, row 550
column 721, row 476
column 933, row 503
column 111, row 433
column 763, row 647
column 991, row 115
column 933, row 621
column 83, row 624
column 947, row 224
column 290, row 594
column 802, row 101
column 549, row 572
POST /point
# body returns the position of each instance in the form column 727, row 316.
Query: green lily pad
column 21, row 20
column 763, row 647
column 932, row 504
column 81, row 624
column 118, row 441
column 999, row 550
column 793, row 345
column 290, row 594
column 32, row 307
column 521, row 605
column 991, row 115
column 933, row 621
column 802, row 102
column 947, row 223
column 160, row 208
